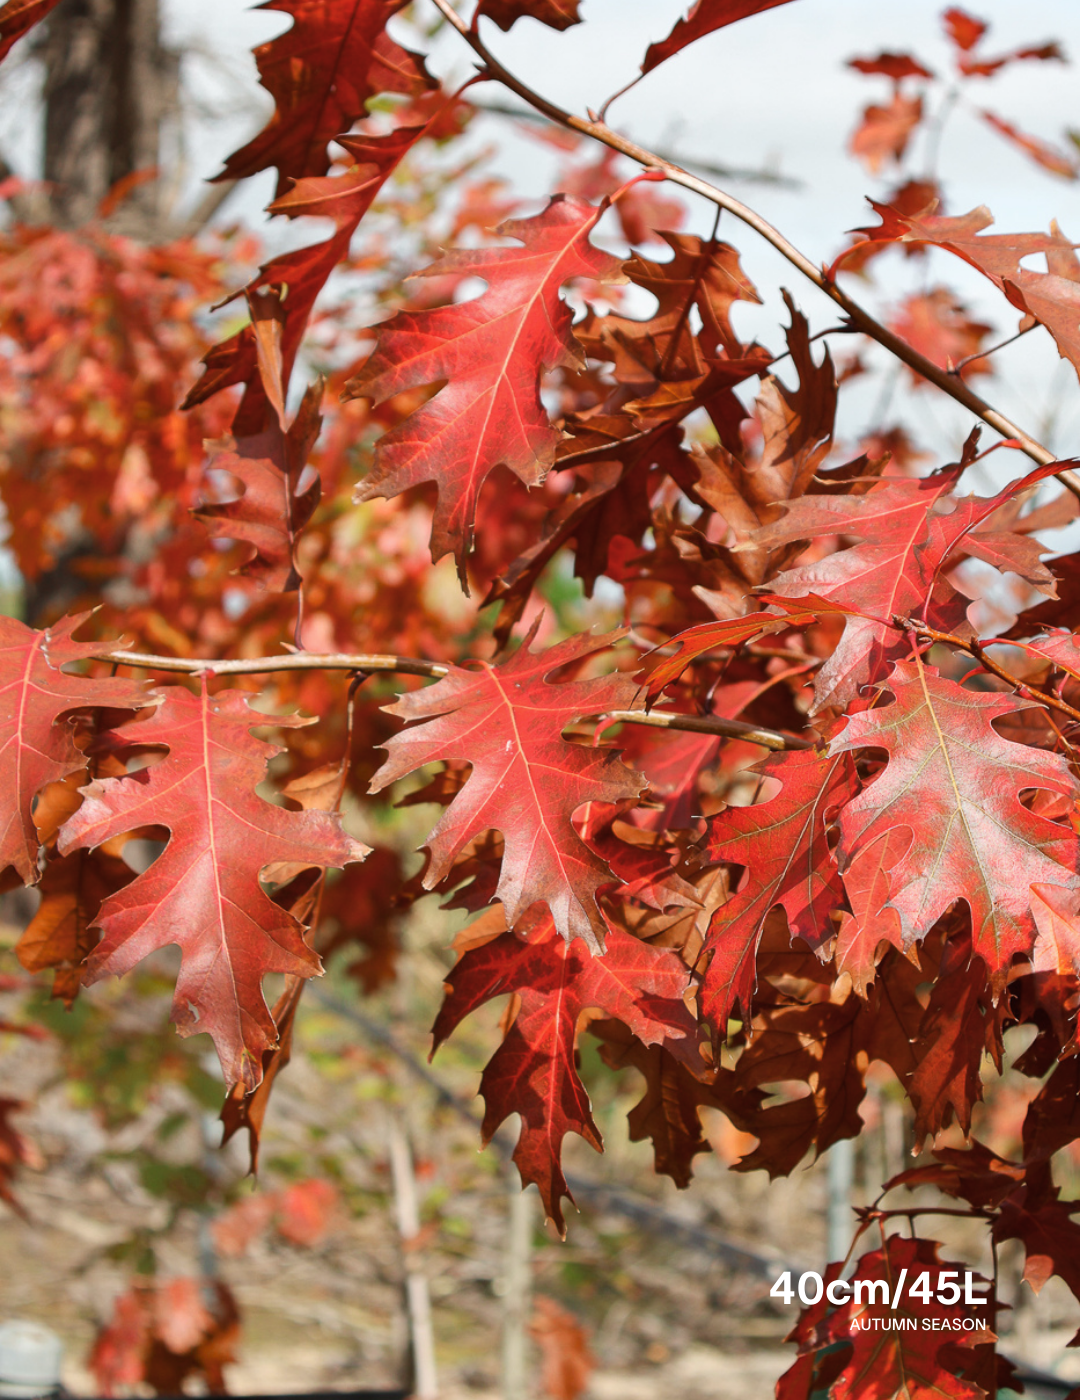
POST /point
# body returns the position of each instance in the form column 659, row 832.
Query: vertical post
column 516, row 1288
column 417, row 1298
column 841, row 1169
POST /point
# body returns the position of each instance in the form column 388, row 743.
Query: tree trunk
column 109, row 85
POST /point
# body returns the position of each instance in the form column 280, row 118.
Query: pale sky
column 770, row 91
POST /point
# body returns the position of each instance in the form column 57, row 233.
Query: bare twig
column 750, row 174
column 861, row 319
column 978, row 650
column 260, row 665
column 912, row 1212
column 993, row 349
column 709, row 724
column 192, row 223
column 432, row 670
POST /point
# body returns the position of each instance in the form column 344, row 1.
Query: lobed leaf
column 203, row 891
column 705, row 17
column 784, row 845
column 276, row 502
column 17, row 18
column 868, row 1350
column 954, row 785
column 321, row 73
column 527, row 781
column 491, row 352
column 534, row 1071
column 1051, row 297
column 37, row 741
column 556, row 14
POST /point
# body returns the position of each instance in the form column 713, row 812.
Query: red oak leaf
column 277, row 500
column 306, row 1211
column 963, row 29
column 1059, row 647
column 642, row 862
column 1052, row 297
column 891, row 65
column 672, row 763
column 1051, row 158
column 987, row 67
column 704, row 274
column 1048, row 1232
column 881, row 1352
column 611, row 498
column 824, row 1044
column 937, row 325
column 18, row 17
column 1055, row 959
column 708, row 636
column 117, row 1355
column 303, row 272
column 16, row 1151
column 320, row 73
column 203, row 891
column 527, row 780
column 872, row 925
column 705, row 17
column 1052, row 1119
column 784, row 845
column 37, row 744
column 491, row 351
column 566, row 1361
column 675, row 1090
column 181, row 1317
column 556, row 14
column 161, row 1333
column 247, row 1109
column 534, row 1071
column 973, row 1174
column 60, row 936
column 818, row 1044
column 954, row 784
column 959, row 1026
column 884, row 132
column 908, row 529
column 796, row 424
column 236, row 1229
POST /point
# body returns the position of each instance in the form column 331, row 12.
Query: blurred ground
column 131, row 1184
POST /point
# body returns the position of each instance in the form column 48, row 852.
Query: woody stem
column 978, row 650
column 433, row 670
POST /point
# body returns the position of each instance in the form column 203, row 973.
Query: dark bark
column 110, row 84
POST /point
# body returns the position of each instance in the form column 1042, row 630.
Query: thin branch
column 709, row 724
column 860, row 318
column 669, row 648
column 190, row 224
column 818, row 335
column 259, row 665
column 433, row 670
column 911, row 1212
column 755, row 175
column 978, row 650
column 984, row 354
